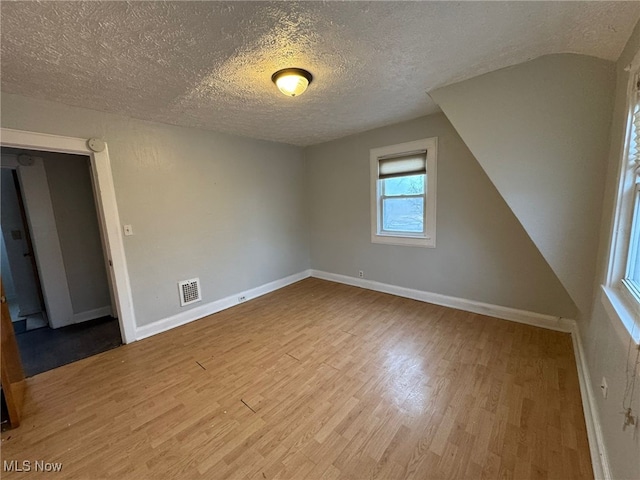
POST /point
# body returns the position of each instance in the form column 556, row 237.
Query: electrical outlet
column 604, row 387
column 361, row 274
column 242, row 299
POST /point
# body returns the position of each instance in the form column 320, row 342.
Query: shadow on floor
column 46, row 348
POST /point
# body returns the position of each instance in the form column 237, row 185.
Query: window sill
column 428, row 242
column 622, row 313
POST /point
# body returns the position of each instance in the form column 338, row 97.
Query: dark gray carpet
column 45, row 348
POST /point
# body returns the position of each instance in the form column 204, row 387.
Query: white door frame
column 107, row 207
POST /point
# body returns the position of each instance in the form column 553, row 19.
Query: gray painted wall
column 606, row 350
column 541, row 132
column 76, row 218
column 482, row 251
column 227, row 209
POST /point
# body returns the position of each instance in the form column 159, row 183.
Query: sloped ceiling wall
column 540, row 130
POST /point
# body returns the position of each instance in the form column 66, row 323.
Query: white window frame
column 428, row 238
column 620, row 297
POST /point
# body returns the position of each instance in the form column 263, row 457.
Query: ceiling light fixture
column 292, row 81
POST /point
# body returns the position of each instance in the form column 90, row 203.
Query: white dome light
column 292, row 81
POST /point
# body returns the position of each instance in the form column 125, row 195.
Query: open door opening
column 109, row 219
column 55, row 266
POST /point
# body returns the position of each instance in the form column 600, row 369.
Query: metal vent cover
column 189, row 291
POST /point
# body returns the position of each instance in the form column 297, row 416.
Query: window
column 403, row 193
column 622, row 289
column 632, row 277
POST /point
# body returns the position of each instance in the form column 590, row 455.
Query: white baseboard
column 599, row 458
column 214, row 307
column 92, row 314
column 505, row 313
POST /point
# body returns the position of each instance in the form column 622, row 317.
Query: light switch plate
column 128, row 230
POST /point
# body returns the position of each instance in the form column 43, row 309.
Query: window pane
column 409, row 185
column 403, row 215
column 635, row 269
column 634, row 245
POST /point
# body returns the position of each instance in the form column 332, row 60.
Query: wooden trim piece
column 12, row 375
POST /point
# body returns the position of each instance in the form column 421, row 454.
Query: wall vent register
column 189, row 291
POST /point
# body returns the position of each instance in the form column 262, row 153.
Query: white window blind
column 635, row 140
column 412, row 163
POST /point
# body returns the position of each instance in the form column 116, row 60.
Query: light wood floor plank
column 321, row 381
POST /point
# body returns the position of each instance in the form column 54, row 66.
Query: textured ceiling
column 208, row 64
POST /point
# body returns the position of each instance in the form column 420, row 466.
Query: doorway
column 108, row 216
column 56, row 270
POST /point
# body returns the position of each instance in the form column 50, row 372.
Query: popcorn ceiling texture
column 209, row 64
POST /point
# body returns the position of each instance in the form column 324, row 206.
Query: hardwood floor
column 315, row 381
